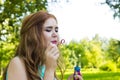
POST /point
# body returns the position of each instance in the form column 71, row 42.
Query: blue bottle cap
column 77, row 68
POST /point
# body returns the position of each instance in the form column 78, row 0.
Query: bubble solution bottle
column 76, row 72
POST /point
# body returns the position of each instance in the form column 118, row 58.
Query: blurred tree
column 77, row 51
column 11, row 13
column 114, row 50
column 115, row 6
column 93, row 54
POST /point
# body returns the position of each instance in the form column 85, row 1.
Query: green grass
column 102, row 76
column 99, row 75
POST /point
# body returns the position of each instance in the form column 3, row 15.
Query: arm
column 16, row 70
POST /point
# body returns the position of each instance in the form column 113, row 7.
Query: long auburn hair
column 31, row 47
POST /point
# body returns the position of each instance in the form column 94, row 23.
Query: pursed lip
column 54, row 42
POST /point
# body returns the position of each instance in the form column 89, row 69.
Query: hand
column 52, row 54
column 78, row 77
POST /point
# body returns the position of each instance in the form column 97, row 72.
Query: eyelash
column 56, row 30
column 48, row 30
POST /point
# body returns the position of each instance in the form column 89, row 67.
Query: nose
column 54, row 34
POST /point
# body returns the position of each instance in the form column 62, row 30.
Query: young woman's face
column 50, row 31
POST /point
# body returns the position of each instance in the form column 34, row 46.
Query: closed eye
column 48, row 30
column 56, row 30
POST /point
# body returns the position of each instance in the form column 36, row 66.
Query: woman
column 37, row 55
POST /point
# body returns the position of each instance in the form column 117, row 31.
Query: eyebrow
column 51, row 27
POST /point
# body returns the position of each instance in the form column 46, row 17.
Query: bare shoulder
column 16, row 63
column 16, row 70
column 15, row 60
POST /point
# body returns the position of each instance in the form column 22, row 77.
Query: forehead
column 50, row 22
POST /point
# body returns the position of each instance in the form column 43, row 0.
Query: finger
column 54, row 50
column 49, row 47
column 56, row 56
column 55, row 53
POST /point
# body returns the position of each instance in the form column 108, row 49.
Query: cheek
column 46, row 38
